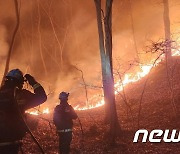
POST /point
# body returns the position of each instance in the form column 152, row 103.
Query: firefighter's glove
column 30, row 79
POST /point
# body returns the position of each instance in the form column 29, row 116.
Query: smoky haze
column 56, row 35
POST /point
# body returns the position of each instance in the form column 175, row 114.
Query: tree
column 167, row 30
column 105, row 45
column 169, row 61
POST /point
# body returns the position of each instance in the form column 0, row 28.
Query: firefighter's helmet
column 15, row 74
column 63, row 95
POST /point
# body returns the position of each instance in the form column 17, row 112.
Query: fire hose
column 26, row 125
column 81, row 126
column 82, row 132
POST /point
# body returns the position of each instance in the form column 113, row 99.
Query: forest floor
column 156, row 113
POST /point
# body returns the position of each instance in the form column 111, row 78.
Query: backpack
column 12, row 127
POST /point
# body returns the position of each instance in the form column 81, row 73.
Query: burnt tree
column 105, row 45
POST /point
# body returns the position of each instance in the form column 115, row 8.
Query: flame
column 98, row 104
column 44, row 111
column 176, row 53
column 128, row 78
column 32, row 112
column 119, row 85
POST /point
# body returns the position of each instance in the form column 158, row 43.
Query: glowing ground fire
column 145, row 69
column 44, row 111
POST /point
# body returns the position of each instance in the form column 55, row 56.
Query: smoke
column 3, row 42
column 54, row 36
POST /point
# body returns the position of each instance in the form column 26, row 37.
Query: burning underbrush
column 156, row 112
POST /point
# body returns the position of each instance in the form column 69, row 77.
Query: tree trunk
column 169, row 61
column 167, row 30
column 105, row 45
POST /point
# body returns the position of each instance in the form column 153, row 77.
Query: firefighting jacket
column 12, row 127
column 63, row 116
column 27, row 99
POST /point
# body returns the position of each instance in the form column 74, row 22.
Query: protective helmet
column 63, row 95
column 15, row 74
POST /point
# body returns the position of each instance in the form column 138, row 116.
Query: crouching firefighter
column 63, row 116
column 14, row 100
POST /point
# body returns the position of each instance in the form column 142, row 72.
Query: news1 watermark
column 157, row 136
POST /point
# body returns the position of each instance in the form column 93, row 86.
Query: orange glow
column 128, row 78
column 44, row 111
column 145, row 69
column 98, row 104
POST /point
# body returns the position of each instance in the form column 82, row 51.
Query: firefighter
column 14, row 100
column 63, row 116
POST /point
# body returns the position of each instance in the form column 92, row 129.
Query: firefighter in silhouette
column 14, row 100
column 63, row 116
